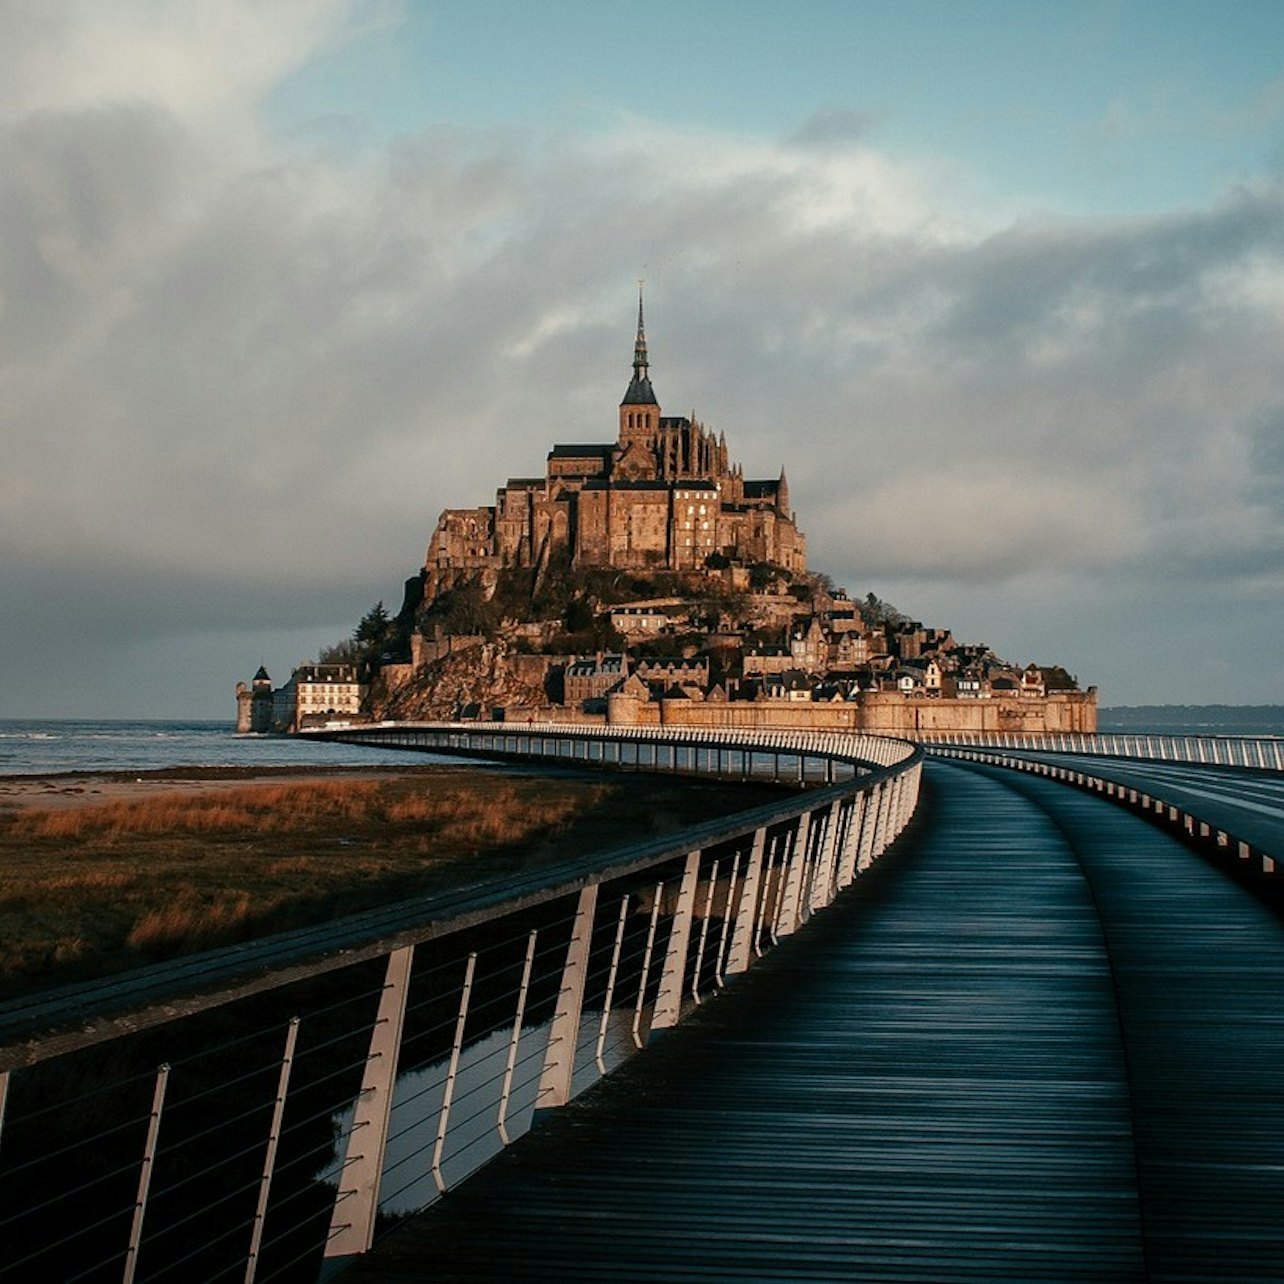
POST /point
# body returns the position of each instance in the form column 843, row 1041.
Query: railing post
column 880, row 820
column 640, row 1002
column 698, row 966
column 728, row 919
column 274, row 1137
column 523, row 989
column 868, row 821
column 896, row 785
column 915, row 785
column 869, row 840
column 769, row 910
column 352, row 1227
column 851, row 842
column 452, row 1074
column 791, row 903
column 811, row 864
column 668, row 1002
column 747, row 911
column 898, row 806
column 609, row 997
column 559, row 1059
column 822, row 884
column 145, row 1175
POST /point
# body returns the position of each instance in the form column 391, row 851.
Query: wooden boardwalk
column 1039, row 1041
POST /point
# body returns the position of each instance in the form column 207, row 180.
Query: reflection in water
column 473, row 1134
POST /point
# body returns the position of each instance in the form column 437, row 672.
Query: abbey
column 663, row 495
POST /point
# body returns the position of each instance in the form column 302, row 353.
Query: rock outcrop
column 470, row 681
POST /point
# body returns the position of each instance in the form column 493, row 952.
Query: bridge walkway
column 1246, row 803
column 1039, row 1041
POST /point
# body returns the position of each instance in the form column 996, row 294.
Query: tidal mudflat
column 104, row 871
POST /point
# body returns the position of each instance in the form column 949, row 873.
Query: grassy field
column 106, row 885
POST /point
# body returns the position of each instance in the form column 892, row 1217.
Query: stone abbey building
column 662, row 496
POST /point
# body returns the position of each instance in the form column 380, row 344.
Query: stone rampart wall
column 880, row 713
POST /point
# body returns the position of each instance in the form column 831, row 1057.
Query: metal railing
column 266, row 1111
column 1262, row 753
column 794, row 756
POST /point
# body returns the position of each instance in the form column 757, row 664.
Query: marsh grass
column 93, row 889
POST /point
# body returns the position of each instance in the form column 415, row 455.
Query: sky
column 1000, row 284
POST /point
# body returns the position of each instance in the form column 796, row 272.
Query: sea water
column 42, row 746
column 1194, row 720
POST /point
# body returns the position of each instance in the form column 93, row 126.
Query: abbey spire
column 639, row 391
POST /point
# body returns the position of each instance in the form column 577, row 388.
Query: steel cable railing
column 489, row 1008
column 1254, row 753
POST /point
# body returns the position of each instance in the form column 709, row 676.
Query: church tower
column 639, row 411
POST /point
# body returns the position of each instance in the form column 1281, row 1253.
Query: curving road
column 1039, row 1041
column 1243, row 802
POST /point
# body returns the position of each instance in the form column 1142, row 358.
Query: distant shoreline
column 1228, row 719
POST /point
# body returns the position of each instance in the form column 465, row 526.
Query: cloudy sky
column 1002, row 284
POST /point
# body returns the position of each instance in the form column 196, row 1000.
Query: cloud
column 260, row 368
column 196, row 60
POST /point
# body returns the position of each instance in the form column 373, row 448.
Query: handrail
column 617, row 947
column 1259, row 753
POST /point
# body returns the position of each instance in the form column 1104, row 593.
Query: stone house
column 648, row 619
column 1032, row 684
column 809, row 647
column 761, row 660
column 315, row 694
column 674, row 670
column 589, row 680
column 793, row 686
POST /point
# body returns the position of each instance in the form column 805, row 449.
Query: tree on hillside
column 376, row 632
column 463, row 611
column 874, row 611
column 375, row 627
column 345, row 651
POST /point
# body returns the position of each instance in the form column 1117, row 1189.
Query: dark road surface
column 1243, row 802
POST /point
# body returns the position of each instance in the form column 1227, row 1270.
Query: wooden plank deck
column 952, row 1074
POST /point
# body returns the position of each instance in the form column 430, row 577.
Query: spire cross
column 639, row 348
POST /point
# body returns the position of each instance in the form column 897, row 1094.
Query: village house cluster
column 831, row 654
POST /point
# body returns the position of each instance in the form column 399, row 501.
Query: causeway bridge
column 945, row 1012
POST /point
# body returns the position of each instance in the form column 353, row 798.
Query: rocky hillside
column 477, row 675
